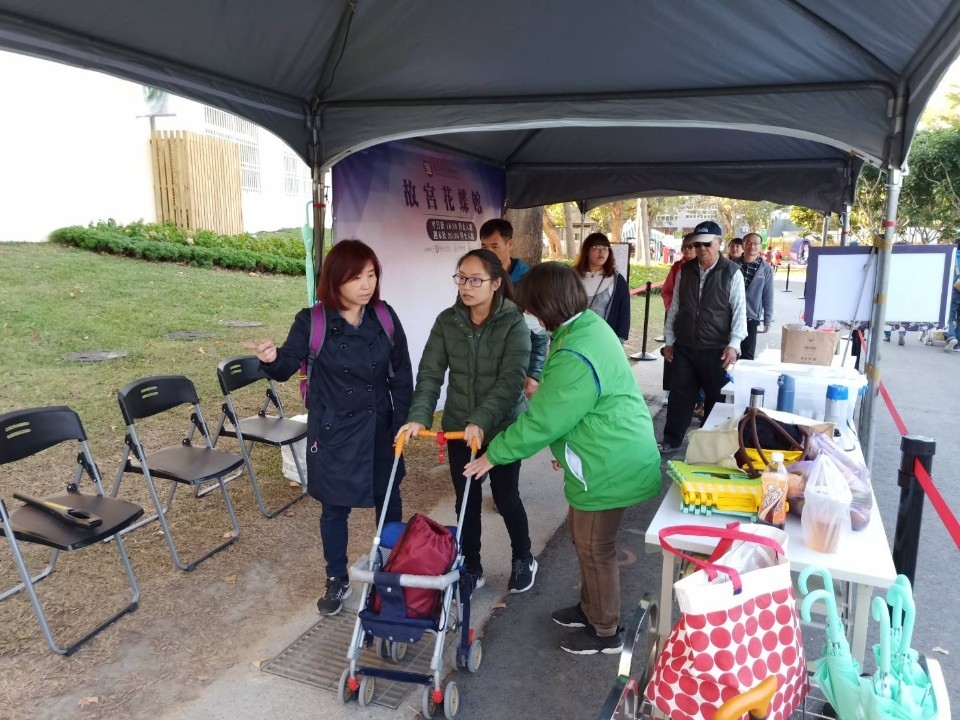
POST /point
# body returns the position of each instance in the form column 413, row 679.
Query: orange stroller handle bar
column 755, row 701
column 440, row 435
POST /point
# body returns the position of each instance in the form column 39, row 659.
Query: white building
column 74, row 149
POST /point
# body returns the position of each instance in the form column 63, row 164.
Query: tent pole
column 845, row 233
column 878, row 316
column 825, row 232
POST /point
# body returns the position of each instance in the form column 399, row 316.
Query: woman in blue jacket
column 361, row 385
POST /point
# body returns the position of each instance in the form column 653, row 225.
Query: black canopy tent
column 780, row 99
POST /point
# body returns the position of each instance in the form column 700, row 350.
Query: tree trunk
column 570, row 217
column 553, row 235
column 527, row 234
column 643, row 230
column 616, row 223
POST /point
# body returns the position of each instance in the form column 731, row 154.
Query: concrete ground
column 524, row 674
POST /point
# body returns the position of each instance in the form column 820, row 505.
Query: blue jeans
column 953, row 317
column 333, row 529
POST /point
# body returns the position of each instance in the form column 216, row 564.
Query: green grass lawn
column 56, row 300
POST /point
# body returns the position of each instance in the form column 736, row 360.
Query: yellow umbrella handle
column 755, row 701
column 458, row 435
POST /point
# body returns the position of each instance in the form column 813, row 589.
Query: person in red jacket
column 666, row 292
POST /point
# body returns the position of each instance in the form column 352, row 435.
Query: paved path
column 526, row 675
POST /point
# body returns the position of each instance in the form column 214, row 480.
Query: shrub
column 280, row 252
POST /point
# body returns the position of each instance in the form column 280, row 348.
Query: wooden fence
column 196, row 181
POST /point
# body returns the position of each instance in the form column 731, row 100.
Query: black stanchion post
column 787, row 288
column 643, row 354
column 906, row 538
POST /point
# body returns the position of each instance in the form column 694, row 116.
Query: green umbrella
column 912, row 684
column 837, row 673
column 880, row 695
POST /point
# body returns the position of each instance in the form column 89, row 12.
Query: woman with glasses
column 483, row 341
column 607, row 292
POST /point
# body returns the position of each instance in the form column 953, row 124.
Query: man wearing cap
column 704, row 328
column 758, row 289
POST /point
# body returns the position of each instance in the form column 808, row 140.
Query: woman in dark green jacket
column 485, row 343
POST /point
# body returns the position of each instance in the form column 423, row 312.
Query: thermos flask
column 756, row 397
column 785, row 391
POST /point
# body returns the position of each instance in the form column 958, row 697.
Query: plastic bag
column 826, row 509
column 857, row 476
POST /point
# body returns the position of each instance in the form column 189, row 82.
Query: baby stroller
column 389, row 629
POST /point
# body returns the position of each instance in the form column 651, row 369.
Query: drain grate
column 319, row 657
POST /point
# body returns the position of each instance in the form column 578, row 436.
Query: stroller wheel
column 398, row 651
column 367, row 686
column 451, row 701
column 380, row 645
column 344, row 693
column 428, row 706
column 474, row 656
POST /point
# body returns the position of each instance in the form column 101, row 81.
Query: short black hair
column 553, row 293
column 737, row 241
column 497, row 225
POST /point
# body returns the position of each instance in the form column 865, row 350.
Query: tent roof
column 625, row 96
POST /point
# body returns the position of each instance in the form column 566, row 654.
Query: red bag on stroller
column 425, row 547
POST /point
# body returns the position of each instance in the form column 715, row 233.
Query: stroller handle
column 440, row 435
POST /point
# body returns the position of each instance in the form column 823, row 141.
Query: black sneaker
column 338, row 589
column 478, row 579
column 570, row 617
column 587, row 642
column 522, row 575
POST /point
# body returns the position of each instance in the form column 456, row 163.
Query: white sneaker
column 951, row 344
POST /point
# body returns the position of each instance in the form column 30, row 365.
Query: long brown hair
column 582, row 266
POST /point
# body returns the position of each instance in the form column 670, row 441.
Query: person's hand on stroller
column 473, row 436
column 477, row 468
column 407, row 431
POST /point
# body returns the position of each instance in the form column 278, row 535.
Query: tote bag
column 738, row 625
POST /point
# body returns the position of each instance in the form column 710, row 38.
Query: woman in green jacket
column 485, row 343
column 590, row 412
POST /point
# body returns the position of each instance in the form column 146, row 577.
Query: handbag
column 758, row 434
column 738, row 625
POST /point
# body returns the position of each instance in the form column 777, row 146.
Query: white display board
column 621, row 256
column 841, row 284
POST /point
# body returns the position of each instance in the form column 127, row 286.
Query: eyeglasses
column 699, row 245
column 471, row 281
column 687, row 247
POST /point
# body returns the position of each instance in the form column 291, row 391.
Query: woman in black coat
column 361, row 386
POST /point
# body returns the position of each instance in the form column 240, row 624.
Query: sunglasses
column 698, row 245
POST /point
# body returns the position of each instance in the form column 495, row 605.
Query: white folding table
column 863, row 560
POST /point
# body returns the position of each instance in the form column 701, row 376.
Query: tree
column 527, row 233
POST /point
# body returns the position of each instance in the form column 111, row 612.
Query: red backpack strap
column 385, row 318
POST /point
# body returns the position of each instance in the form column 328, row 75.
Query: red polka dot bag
column 738, row 625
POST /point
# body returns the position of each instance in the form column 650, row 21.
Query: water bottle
column 835, row 410
column 756, row 397
column 786, row 385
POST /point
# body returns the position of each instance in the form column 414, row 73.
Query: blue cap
column 708, row 227
column 837, row 392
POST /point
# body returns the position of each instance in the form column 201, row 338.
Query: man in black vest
column 703, row 331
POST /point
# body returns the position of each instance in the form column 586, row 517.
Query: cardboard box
column 808, row 347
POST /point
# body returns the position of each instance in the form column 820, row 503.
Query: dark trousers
column 333, row 528
column 505, row 487
column 692, row 370
column 748, row 348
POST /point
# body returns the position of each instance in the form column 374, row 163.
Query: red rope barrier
column 948, row 519
column 643, row 288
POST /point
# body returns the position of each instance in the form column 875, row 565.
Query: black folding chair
column 274, row 430
column 66, row 522
column 183, row 464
